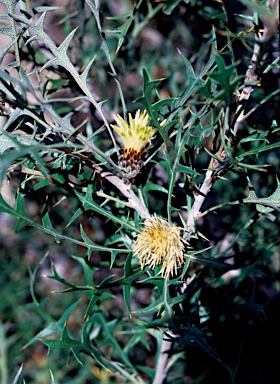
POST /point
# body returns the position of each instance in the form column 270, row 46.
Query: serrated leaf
column 87, row 289
column 97, row 297
column 153, row 108
column 194, row 81
column 60, row 57
column 4, row 207
column 85, row 72
column 261, row 148
column 272, row 201
column 55, row 327
column 5, row 143
column 78, row 213
column 11, row 30
column 224, row 75
column 89, row 204
column 108, row 332
column 195, row 337
column 66, row 342
column 51, row 63
column 123, row 30
column 76, row 347
column 175, row 167
column 40, row 22
column 65, row 44
column 94, row 247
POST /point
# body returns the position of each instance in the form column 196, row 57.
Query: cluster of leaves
column 57, row 147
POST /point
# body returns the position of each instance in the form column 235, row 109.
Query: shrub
column 166, row 197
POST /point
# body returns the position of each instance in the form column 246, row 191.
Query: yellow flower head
column 160, row 243
column 137, row 134
column 136, row 138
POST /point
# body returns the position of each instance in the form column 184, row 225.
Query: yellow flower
column 160, row 243
column 136, row 138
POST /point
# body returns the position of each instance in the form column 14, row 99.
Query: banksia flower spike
column 160, row 243
column 136, row 139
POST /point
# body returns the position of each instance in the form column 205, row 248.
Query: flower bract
column 136, row 137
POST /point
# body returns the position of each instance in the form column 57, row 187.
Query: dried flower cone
column 131, row 162
column 136, row 139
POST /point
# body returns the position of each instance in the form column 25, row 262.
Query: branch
column 252, row 74
column 134, row 202
column 162, row 367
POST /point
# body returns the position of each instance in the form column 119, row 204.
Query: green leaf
column 155, row 306
column 153, row 109
column 128, row 272
column 175, row 166
column 194, row 82
column 66, row 342
column 97, row 297
column 224, row 76
column 257, row 136
column 108, row 332
column 149, row 186
column 193, row 336
column 272, row 201
column 88, row 271
column 192, row 79
column 55, row 327
column 42, row 184
column 21, row 222
column 72, row 287
column 90, row 204
column 94, row 247
column 261, row 148
column 78, row 213
column 124, row 28
column 21, row 217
